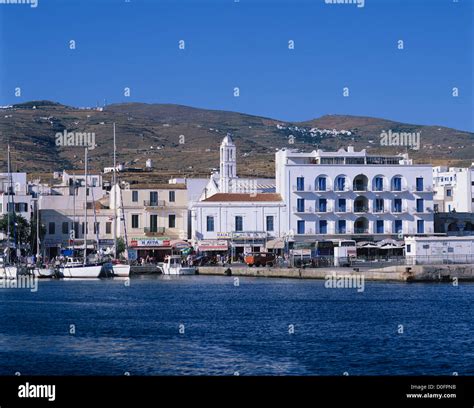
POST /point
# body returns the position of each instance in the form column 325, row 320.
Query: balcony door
column 153, row 222
column 153, row 197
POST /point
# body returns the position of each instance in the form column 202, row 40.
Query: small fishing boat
column 44, row 272
column 121, row 270
column 173, row 266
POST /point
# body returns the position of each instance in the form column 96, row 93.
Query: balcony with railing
column 400, row 210
column 322, row 209
column 307, row 231
column 342, row 209
column 360, row 209
column 154, row 203
column 154, row 231
column 361, row 230
column 419, row 210
column 422, row 189
column 303, row 210
column 306, row 188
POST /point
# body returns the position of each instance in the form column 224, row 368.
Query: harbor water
column 209, row 325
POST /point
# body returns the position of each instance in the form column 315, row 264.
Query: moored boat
column 75, row 268
column 173, row 266
column 121, row 270
column 44, row 272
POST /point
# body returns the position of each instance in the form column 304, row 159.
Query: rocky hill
column 182, row 140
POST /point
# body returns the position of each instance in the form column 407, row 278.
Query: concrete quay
column 400, row 273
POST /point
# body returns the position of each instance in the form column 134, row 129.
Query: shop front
column 149, row 250
column 213, row 246
column 276, row 245
column 241, row 243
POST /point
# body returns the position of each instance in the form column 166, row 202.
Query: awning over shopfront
column 384, row 244
column 278, row 243
column 366, row 244
column 391, row 244
column 179, row 244
column 213, row 245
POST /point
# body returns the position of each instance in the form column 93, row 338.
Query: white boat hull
column 183, row 270
column 44, row 272
column 8, row 272
column 88, row 271
column 121, row 270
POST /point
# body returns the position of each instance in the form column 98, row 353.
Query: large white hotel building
column 353, row 194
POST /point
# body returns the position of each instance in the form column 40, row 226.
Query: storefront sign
column 106, row 242
column 248, row 235
column 150, row 242
column 212, row 245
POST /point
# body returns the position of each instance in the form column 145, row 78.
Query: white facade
column 436, row 250
column 59, row 224
column 239, row 219
column 454, row 189
column 20, row 197
column 62, row 210
column 349, row 193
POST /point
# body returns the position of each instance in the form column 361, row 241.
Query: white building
column 439, row 250
column 353, row 194
column 20, row 195
column 239, row 222
column 239, row 214
column 20, row 200
column 62, row 211
column 453, row 189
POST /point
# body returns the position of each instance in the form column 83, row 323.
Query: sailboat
column 119, row 269
column 8, row 271
column 74, row 267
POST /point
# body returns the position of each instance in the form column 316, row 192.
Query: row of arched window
column 359, row 183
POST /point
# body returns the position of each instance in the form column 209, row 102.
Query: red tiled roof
column 259, row 197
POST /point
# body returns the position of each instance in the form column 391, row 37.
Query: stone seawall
column 143, row 270
column 416, row 273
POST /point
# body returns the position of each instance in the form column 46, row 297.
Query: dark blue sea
column 209, row 326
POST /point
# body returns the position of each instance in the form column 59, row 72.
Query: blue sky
column 245, row 44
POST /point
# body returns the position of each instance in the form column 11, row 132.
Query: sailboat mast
column 74, row 232
column 85, row 207
column 8, row 204
column 115, row 196
column 37, row 225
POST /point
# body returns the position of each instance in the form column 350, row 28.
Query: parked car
column 260, row 259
